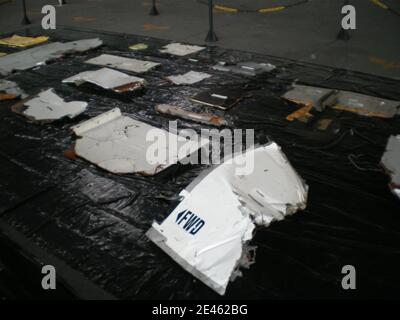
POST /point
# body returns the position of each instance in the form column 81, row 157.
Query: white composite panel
column 48, row 106
column 208, row 231
column 122, row 63
column 105, row 78
column 120, row 144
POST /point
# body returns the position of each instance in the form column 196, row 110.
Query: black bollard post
column 25, row 19
column 153, row 10
column 62, row 2
column 211, row 36
column 343, row 34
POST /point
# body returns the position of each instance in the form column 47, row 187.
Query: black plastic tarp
column 96, row 221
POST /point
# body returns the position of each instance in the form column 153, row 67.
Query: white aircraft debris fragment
column 122, row 63
column 190, row 77
column 179, row 49
column 194, row 116
column 249, row 68
column 10, row 90
column 39, row 55
column 391, row 162
column 119, row 144
column 208, row 232
column 48, row 107
column 354, row 102
column 108, row 79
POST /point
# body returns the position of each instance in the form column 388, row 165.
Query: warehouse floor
column 305, row 32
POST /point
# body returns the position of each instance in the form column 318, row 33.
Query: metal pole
column 211, row 36
column 153, row 10
column 62, row 2
column 25, row 19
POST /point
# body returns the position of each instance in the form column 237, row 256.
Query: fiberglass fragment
column 48, row 107
column 208, row 232
column 122, row 63
column 39, row 55
column 108, row 79
column 179, row 49
column 391, row 162
column 190, row 77
column 119, row 144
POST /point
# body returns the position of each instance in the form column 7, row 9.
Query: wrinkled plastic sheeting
column 119, row 144
column 190, row 77
column 108, row 79
column 48, row 107
column 249, row 68
column 122, row 63
column 17, row 41
column 391, row 162
column 208, row 232
column 179, row 49
column 10, row 90
column 362, row 104
column 39, row 55
column 100, row 190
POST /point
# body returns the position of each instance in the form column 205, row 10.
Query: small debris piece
column 120, row 144
column 9, row 90
column 303, row 114
column 209, row 231
column 48, row 107
column 122, row 63
column 249, row 68
column 39, row 55
column 179, row 49
column 324, row 123
column 17, row 41
column 320, row 98
column 190, row 77
column 198, row 117
column 391, row 162
column 108, row 79
column 221, row 98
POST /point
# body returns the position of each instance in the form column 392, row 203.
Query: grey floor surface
column 305, row 32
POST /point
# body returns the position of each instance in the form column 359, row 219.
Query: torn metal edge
column 39, row 55
column 133, row 161
column 155, row 233
column 105, row 77
column 21, row 107
column 205, row 118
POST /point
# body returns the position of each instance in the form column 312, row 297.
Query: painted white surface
column 230, row 205
column 11, row 87
column 391, row 162
column 190, row 77
column 39, row 55
column 179, row 49
column 119, row 144
column 49, row 106
column 122, row 63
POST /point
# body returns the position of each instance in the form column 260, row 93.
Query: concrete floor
column 305, row 32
